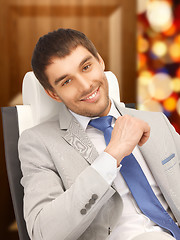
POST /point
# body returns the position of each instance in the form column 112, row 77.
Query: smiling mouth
column 92, row 96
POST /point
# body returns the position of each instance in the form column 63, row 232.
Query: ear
column 53, row 95
column 101, row 61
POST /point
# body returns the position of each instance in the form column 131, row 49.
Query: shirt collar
column 83, row 120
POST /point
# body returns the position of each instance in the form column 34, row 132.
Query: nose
column 84, row 83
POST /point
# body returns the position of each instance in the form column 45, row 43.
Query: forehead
column 67, row 64
column 77, row 53
column 73, row 59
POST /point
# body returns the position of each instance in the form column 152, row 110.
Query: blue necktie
column 138, row 183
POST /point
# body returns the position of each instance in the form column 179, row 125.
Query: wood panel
column 128, row 26
column 6, row 209
column 29, row 22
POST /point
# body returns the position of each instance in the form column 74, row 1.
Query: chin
column 97, row 111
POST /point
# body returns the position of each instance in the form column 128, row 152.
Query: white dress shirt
column 132, row 222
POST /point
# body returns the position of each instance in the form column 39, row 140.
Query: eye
column 86, row 67
column 66, row 82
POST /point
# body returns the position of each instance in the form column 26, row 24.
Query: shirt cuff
column 106, row 166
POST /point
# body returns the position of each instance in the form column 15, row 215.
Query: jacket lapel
column 75, row 135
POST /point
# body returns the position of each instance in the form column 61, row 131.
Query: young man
column 73, row 184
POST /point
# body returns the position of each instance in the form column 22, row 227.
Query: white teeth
column 92, row 96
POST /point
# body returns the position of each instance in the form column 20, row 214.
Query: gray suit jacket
column 65, row 198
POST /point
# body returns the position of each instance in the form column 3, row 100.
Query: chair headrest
column 44, row 107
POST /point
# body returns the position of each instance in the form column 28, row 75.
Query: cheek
column 105, row 83
column 68, row 95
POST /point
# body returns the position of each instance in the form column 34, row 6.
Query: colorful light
column 178, row 106
column 175, row 84
column 170, row 2
column 143, row 44
column 144, row 77
column 177, row 39
column 143, row 81
column 142, row 59
column 177, row 16
column 159, row 14
column 143, row 93
column 171, row 31
column 174, row 51
column 159, row 58
column 160, row 86
column 170, row 104
column 178, row 72
column 151, row 105
column 142, row 6
column 159, row 48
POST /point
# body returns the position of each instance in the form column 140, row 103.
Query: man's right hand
column 127, row 133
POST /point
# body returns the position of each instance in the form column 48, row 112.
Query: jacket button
column 83, row 211
column 88, row 206
column 94, row 196
column 91, row 201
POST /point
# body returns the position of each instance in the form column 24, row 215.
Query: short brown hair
column 58, row 43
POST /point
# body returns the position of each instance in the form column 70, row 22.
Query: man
column 73, row 184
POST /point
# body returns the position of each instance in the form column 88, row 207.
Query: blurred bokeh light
column 159, row 48
column 160, row 86
column 158, row 59
column 159, row 15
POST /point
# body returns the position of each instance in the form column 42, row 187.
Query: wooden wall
column 111, row 25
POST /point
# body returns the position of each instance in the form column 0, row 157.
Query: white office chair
column 37, row 107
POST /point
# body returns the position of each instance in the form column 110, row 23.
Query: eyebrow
column 65, row 75
column 60, row 79
column 85, row 60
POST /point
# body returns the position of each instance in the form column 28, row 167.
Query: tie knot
column 104, row 125
column 101, row 123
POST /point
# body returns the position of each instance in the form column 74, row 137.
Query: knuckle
column 126, row 117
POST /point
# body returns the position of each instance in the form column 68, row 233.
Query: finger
column 145, row 136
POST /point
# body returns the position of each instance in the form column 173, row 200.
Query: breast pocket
column 169, row 162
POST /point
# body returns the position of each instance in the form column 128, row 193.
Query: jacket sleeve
column 50, row 211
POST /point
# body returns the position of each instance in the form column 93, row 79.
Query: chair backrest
column 41, row 107
column 38, row 107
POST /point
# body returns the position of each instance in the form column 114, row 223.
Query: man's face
column 79, row 82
